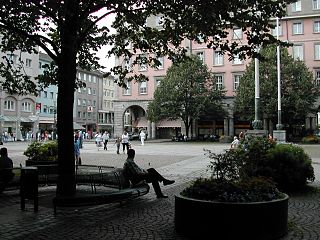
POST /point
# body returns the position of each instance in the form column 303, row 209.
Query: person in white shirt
column 125, row 141
column 142, row 137
column 235, row 142
column 105, row 139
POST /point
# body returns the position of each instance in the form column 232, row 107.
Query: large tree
column 68, row 31
column 298, row 89
column 187, row 92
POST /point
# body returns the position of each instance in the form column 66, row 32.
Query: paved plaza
column 143, row 218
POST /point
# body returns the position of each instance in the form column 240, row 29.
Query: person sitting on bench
column 136, row 174
column 6, row 165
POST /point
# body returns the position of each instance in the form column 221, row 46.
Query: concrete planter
column 218, row 220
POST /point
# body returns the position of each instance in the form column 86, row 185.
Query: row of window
column 297, row 28
column 85, row 102
column 88, row 90
column 298, row 51
column 142, row 66
column 10, row 105
column 108, row 93
column 86, row 115
column 46, row 94
column 87, row 77
column 297, row 6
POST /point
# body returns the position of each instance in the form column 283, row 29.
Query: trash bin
column 29, row 186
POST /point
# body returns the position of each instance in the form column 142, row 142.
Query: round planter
column 221, row 220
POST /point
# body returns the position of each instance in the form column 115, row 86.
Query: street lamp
column 1, row 127
column 35, row 120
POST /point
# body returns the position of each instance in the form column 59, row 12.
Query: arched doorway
column 134, row 120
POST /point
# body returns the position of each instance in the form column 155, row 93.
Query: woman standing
column 125, row 141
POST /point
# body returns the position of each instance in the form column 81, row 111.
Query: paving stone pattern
column 143, row 218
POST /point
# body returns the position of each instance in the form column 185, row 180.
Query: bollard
column 29, row 186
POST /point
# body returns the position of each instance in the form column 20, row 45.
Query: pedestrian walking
column 105, row 139
column 118, row 143
column 142, row 137
column 98, row 140
column 77, row 150
column 125, row 141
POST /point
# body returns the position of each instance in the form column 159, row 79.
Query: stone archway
column 132, row 115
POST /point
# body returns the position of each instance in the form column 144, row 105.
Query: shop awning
column 77, row 126
column 169, row 123
column 16, row 119
column 142, row 123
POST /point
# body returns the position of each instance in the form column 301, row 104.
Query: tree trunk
column 66, row 86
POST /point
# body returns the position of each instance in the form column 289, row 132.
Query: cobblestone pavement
column 146, row 217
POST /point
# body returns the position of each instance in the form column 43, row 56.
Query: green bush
column 288, row 165
column 42, row 151
column 255, row 189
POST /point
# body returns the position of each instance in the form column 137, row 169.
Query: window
column 51, row 95
column 79, row 114
column 28, row 63
column 317, row 77
column 158, row 81
column 84, row 102
column 93, row 91
column 84, row 90
column 45, row 94
column 79, row 90
column 94, row 79
column 142, row 59
column 143, row 87
column 316, row 27
column 87, row 77
column 317, row 51
column 45, row 109
column 84, row 115
column 297, row 28
column 159, row 21
column 84, row 77
column 9, row 105
column 296, row 6
column 94, row 103
column 219, row 82
column 26, row 107
column 161, row 62
column 236, row 60
column 218, row 58
column 127, row 64
column 127, row 91
column 12, row 58
column 237, row 33
column 201, row 56
column 89, row 102
column 236, row 81
column 79, row 102
column 274, row 30
column 316, row 4
column 90, row 78
column 297, row 52
column 89, row 90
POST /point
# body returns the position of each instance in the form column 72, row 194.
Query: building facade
column 16, row 111
column 301, row 27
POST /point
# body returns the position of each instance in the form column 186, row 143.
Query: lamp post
column 1, row 128
column 279, row 133
column 257, row 123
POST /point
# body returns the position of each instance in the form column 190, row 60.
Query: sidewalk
column 143, row 218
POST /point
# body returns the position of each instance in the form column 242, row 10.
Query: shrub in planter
column 42, row 151
column 288, row 165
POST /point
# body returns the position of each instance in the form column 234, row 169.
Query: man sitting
column 6, row 165
column 136, row 174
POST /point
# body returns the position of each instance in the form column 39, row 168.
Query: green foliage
column 255, row 189
column 253, row 172
column 310, row 139
column 298, row 90
column 289, row 166
column 42, row 151
column 187, row 91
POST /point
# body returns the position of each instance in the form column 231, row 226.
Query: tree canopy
column 187, row 92
column 68, row 31
column 298, row 89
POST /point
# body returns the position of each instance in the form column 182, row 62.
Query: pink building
column 301, row 27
